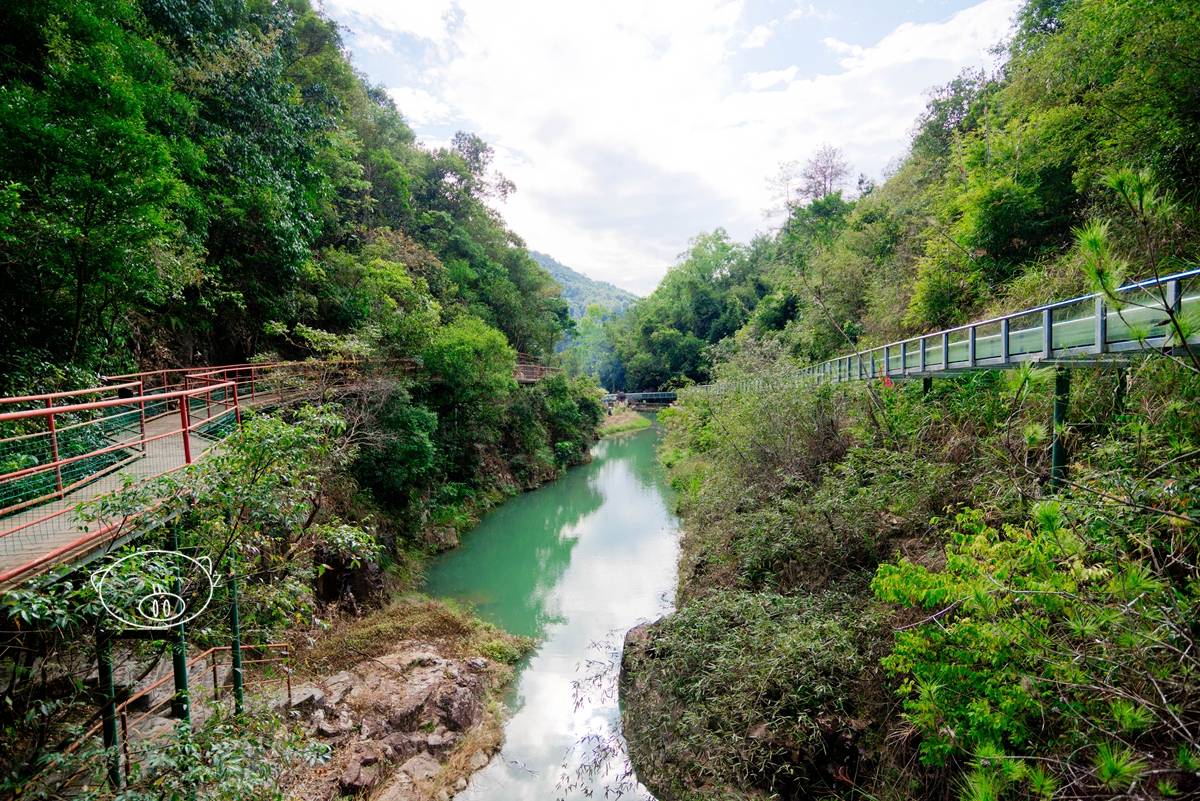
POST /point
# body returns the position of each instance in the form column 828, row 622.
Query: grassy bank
column 880, row 594
column 622, row 422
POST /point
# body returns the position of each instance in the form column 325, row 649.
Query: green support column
column 1121, row 391
column 1058, row 451
column 235, row 648
column 108, row 710
column 180, row 706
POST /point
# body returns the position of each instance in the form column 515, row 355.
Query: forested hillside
column 885, row 590
column 978, row 217
column 579, row 291
column 205, row 183
column 187, row 183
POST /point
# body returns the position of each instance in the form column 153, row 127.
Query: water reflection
column 576, row 564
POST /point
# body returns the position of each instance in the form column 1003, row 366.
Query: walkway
column 68, row 448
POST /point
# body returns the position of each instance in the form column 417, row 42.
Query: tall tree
column 824, row 173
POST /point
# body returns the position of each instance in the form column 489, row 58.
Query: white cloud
column 810, row 11
column 759, row 81
column 758, row 37
column 964, row 35
column 628, row 127
column 418, row 106
column 373, row 43
column 427, row 19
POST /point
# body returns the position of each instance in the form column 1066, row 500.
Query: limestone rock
column 460, row 708
column 307, row 697
column 421, row 767
column 362, row 771
column 478, row 760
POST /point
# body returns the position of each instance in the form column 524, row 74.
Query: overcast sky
column 629, row 126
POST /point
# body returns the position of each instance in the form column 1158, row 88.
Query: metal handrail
column 1099, row 343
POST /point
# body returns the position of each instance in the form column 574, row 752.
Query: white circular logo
column 139, row 590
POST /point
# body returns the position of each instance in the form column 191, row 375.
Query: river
column 574, row 564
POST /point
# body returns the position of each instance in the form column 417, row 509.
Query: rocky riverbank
column 407, row 699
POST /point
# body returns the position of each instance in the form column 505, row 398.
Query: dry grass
column 455, row 631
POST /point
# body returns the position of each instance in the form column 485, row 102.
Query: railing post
column 1005, row 330
column 1047, row 333
column 1100, row 335
column 58, row 482
column 945, row 350
column 921, row 355
column 235, row 645
column 904, row 358
column 142, row 411
column 887, row 360
column 125, row 742
column 1174, row 296
column 1058, row 451
column 108, row 709
column 185, row 429
column 971, row 334
column 872, row 364
column 237, row 407
column 180, row 703
column 252, row 385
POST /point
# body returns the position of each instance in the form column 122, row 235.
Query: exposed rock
column 442, row 538
column 307, row 697
column 362, row 771
column 421, row 767
column 392, row 721
column 400, row 789
column 460, row 707
column 439, row 743
column 478, row 760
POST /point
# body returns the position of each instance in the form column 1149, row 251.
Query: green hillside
column 579, row 291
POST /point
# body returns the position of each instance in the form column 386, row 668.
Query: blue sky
column 629, row 126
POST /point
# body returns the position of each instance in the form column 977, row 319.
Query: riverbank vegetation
column 882, row 594
column 623, row 421
column 187, row 184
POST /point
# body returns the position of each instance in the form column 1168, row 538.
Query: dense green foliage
column 187, row 182
column 979, row 216
column 1050, row 647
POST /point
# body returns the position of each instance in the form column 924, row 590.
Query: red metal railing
column 60, row 449
column 272, row 667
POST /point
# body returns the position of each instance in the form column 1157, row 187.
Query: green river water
column 574, row 564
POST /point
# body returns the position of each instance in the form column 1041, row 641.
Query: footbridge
column 1160, row 314
column 63, row 449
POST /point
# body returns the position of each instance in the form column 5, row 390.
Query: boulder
column 439, row 743
column 361, row 772
column 307, row 697
column 421, row 767
column 478, row 760
column 442, row 538
column 459, row 707
column 400, row 789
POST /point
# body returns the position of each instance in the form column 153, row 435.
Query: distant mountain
column 579, row 291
